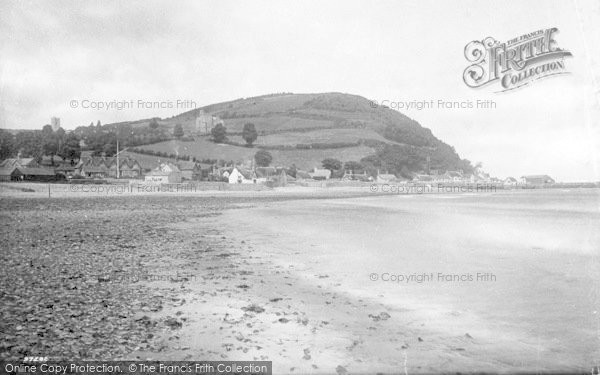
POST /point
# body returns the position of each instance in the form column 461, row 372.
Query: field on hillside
column 314, row 136
column 276, row 122
column 202, row 148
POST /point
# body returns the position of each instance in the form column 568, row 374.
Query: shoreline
column 226, row 285
column 43, row 190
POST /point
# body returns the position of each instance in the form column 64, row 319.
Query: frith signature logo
column 515, row 63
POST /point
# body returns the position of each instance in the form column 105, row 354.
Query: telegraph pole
column 118, row 174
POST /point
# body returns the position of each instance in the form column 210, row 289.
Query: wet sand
column 289, row 281
column 533, row 308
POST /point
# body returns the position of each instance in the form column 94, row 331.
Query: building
column 65, row 170
column 102, row 167
column 537, row 180
column 320, row 174
column 190, row 170
column 166, row 173
column 454, row 176
column 423, row 178
column 351, row 176
column 19, row 173
column 51, row 160
column 384, row 178
column 302, row 175
column 205, row 122
column 128, row 168
column 55, row 123
column 242, row 176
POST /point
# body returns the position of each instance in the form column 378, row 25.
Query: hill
column 304, row 129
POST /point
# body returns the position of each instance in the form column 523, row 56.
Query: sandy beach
column 349, row 285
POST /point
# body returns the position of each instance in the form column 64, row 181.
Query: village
column 105, row 170
column 135, row 166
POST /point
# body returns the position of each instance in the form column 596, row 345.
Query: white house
column 164, row 174
column 510, row 182
column 385, row 178
column 320, row 174
column 242, row 176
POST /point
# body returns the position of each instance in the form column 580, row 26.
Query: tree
column 29, row 143
column 331, row 164
column 71, row 149
column 404, row 172
column 263, row 158
column 178, row 131
column 249, row 133
column 153, row 124
column 7, row 144
column 98, row 124
column 47, row 130
column 353, row 166
column 219, row 133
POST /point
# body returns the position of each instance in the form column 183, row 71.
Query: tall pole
column 118, row 174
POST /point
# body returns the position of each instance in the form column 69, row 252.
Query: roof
column 56, row 158
column 538, row 176
column 169, row 167
column 15, row 162
column 164, row 169
column 65, row 167
column 99, row 161
column 94, row 169
column 386, row 176
column 424, row 177
column 244, row 172
column 86, row 154
column 36, row 171
column 266, row 171
column 185, row 164
column 320, row 172
column 510, row 179
column 6, row 171
column 454, row 174
column 156, row 172
column 302, row 174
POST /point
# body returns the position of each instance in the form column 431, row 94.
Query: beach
column 495, row 282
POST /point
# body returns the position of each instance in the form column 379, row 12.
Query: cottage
column 350, row 175
column 454, row 176
column 384, row 178
column 165, row 173
column 102, row 167
column 510, row 182
column 537, row 180
column 302, row 175
column 92, row 167
column 129, row 168
column 190, row 170
column 242, row 176
column 423, row 178
column 320, row 174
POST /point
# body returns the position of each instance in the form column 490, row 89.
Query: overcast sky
column 55, row 52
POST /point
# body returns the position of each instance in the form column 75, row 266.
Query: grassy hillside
column 291, row 126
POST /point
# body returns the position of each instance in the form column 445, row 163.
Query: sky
column 57, row 57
